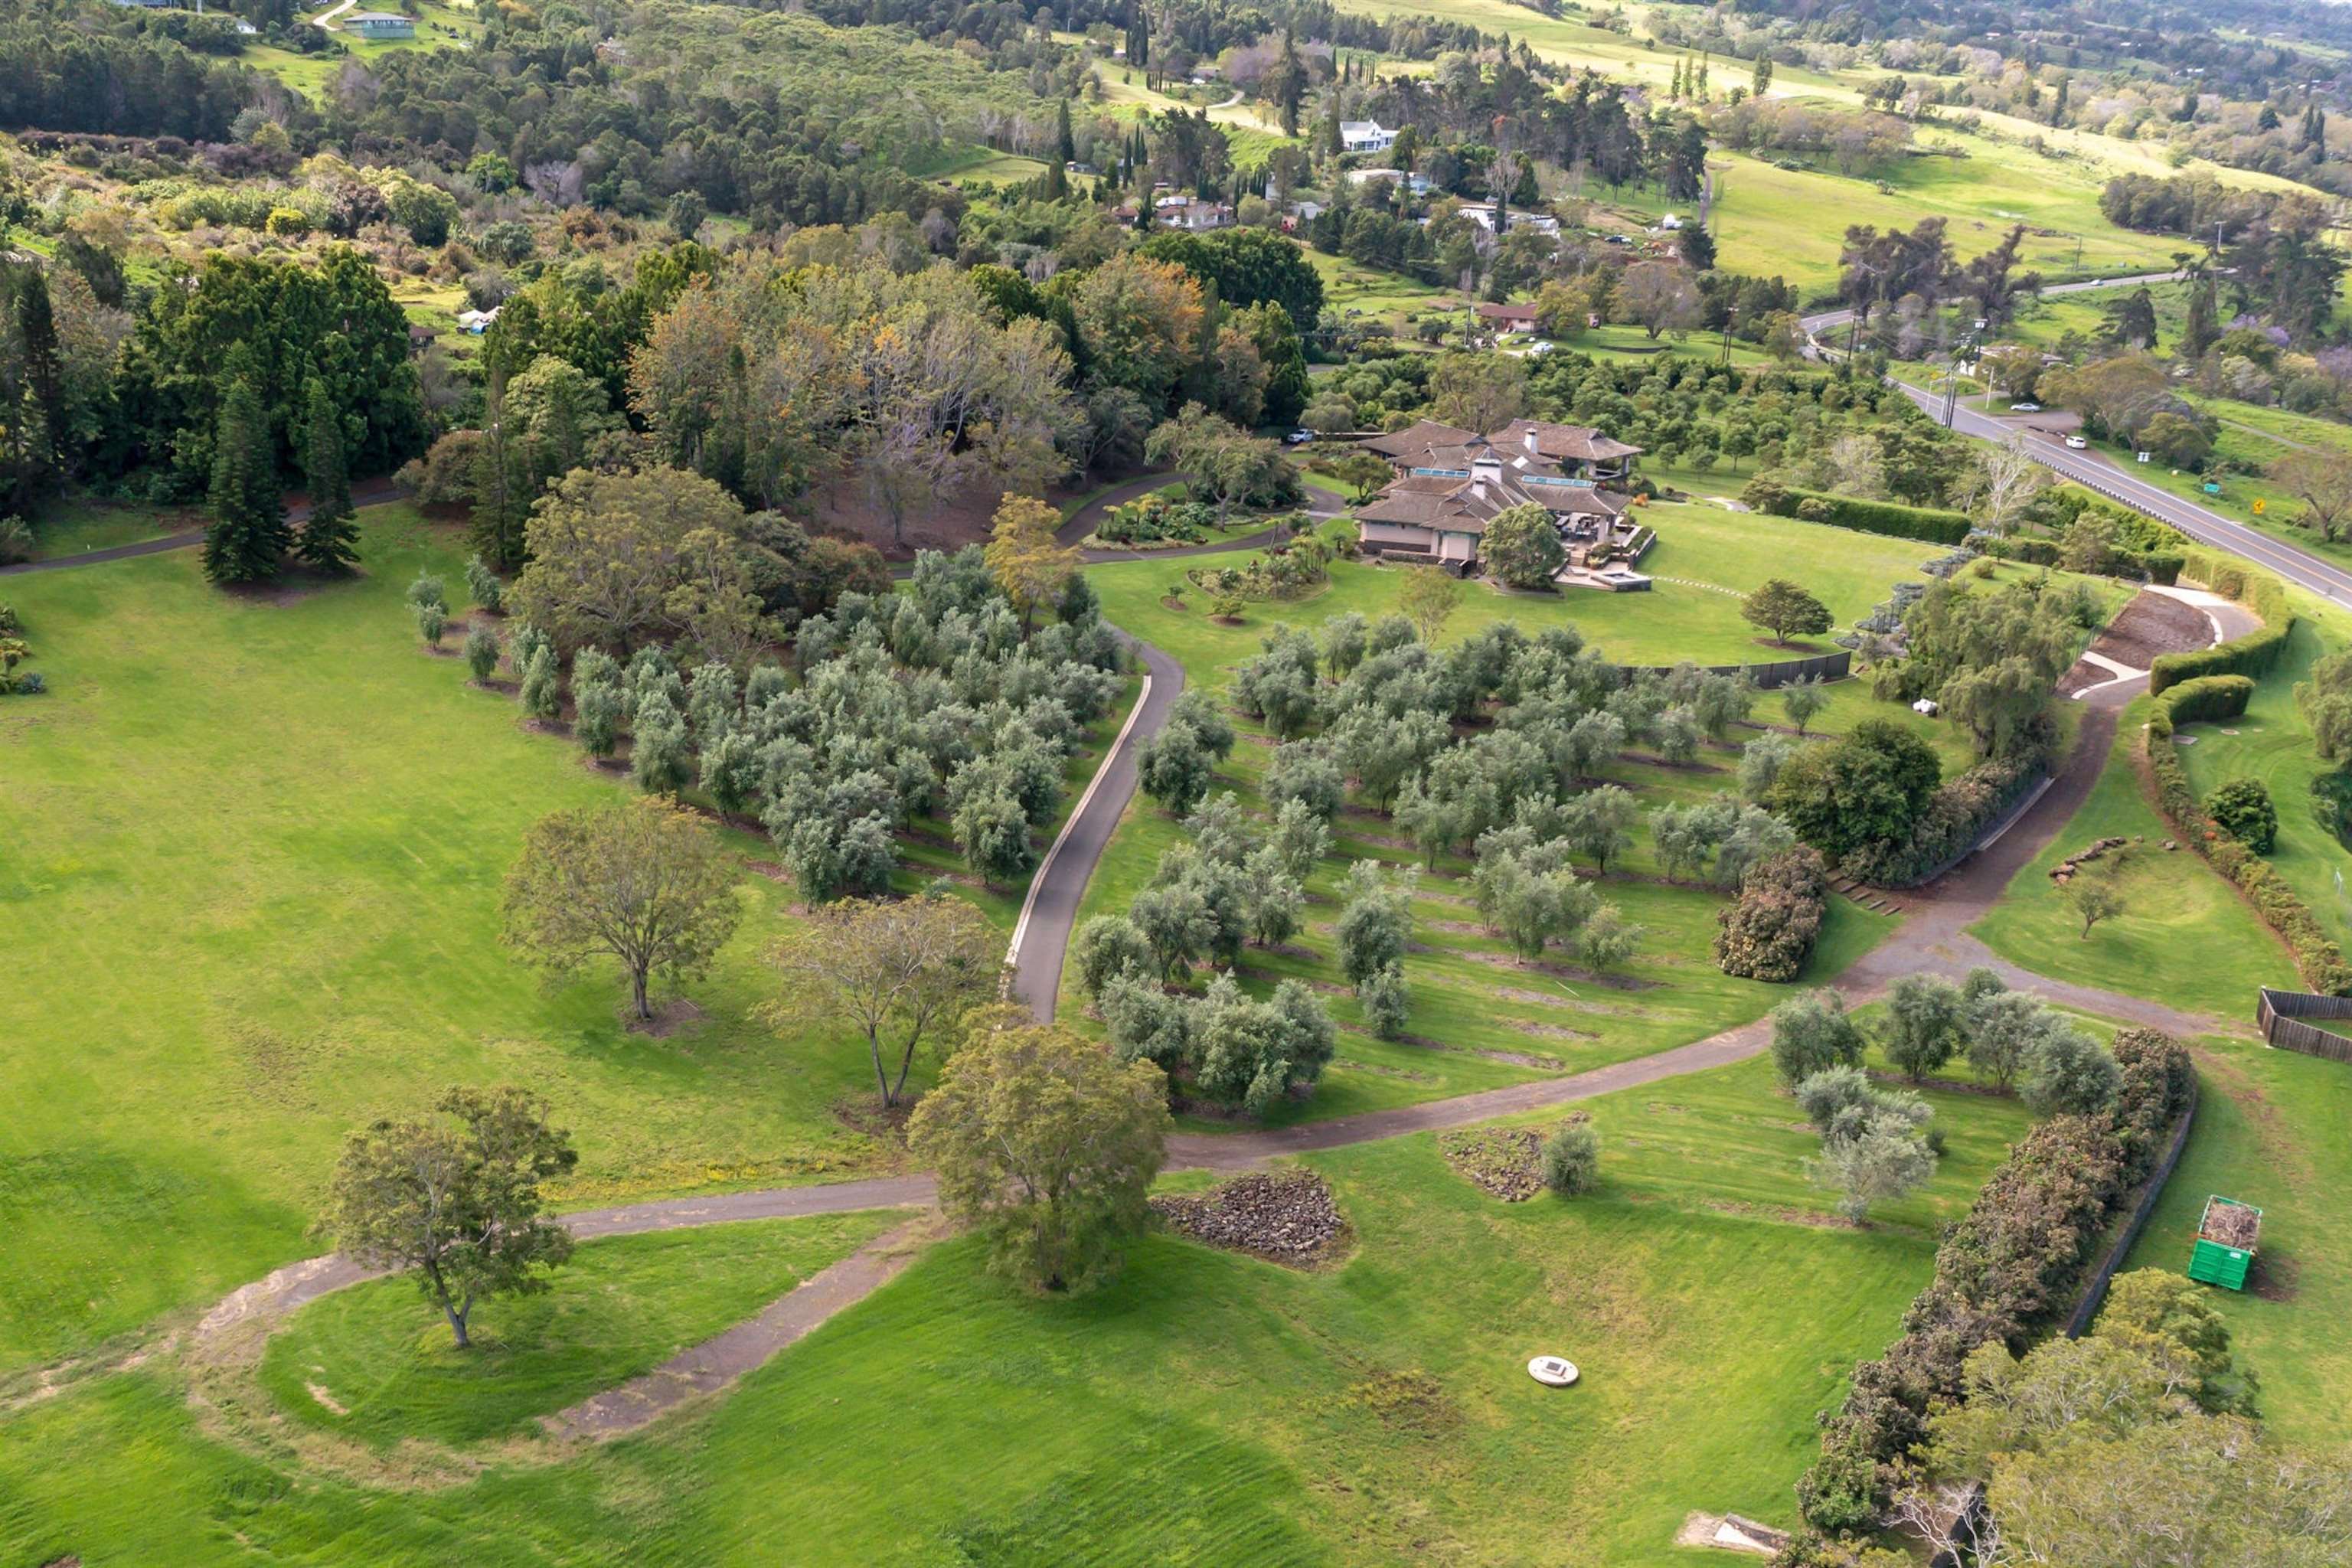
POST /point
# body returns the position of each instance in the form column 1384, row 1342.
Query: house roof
column 1577, row 443
column 1359, row 128
column 1506, row 313
column 1417, row 436
column 1468, row 506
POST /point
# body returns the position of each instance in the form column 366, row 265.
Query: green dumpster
column 2226, row 1238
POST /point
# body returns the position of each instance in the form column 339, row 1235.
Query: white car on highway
column 2026, row 408
column 2075, row 443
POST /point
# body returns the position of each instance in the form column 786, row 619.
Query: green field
column 375, row 1363
column 258, row 842
column 2270, row 743
column 2175, row 906
column 2271, row 1130
column 1201, row 1409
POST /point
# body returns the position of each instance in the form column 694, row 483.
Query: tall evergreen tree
column 1065, row 144
column 330, row 531
column 2201, row 330
column 501, row 483
column 247, row 538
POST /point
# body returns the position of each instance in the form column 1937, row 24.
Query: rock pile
column 2064, row 870
column 1504, row 1162
column 1283, row 1217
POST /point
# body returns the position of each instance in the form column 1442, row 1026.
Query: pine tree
column 328, row 535
column 502, row 484
column 1065, row 144
column 247, row 538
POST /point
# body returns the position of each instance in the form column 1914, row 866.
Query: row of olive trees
column 1877, row 1144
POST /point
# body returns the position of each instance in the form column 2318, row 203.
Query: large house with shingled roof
column 1449, row 483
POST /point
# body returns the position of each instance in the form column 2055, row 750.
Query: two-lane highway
column 2094, row 471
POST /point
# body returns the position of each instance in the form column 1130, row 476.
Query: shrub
column 482, row 652
column 1768, row 933
column 1386, row 1003
column 2071, row 1074
column 1571, row 1159
column 483, row 585
column 431, row 618
column 1814, row 1032
column 2243, row 808
column 1957, row 814
column 427, row 590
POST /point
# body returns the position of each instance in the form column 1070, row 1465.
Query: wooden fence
column 2281, row 1014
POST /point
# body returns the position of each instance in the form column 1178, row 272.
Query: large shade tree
column 642, row 882
column 453, row 1199
column 1047, row 1148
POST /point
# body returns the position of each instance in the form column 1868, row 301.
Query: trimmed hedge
column 2207, row 698
column 2005, row 1273
column 1932, row 525
column 2319, row 959
column 1770, row 932
column 2253, row 654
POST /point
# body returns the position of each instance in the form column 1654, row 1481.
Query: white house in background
column 1417, row 184
column 1191, row 213
column 1365, row 136
column 1483, row 215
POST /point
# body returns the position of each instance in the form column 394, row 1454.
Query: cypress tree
column 328, row 533
column 44, row 378
column 247, row 538
column 502, row 484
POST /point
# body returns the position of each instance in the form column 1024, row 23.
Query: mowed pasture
column 257, row 842
column 1203, row 1409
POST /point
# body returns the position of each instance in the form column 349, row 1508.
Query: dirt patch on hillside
column 2150, row 624
column 1506, row 1162
column 1283, row 1217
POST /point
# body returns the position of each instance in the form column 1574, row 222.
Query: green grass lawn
column 1201, row 1409
column 258, row 842
column 79, row 521
column 381, row 1354
column 2274, row 1129
column 2270, row 743
column 2186, row 937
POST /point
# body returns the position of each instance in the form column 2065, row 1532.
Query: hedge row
column 1961, row 810
column 2253, row 654
column 1934, row 526
column 1770, row 932
column 2319, row 959
column 2009, row 1269
column 2207, row 698
column 2162, row 566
